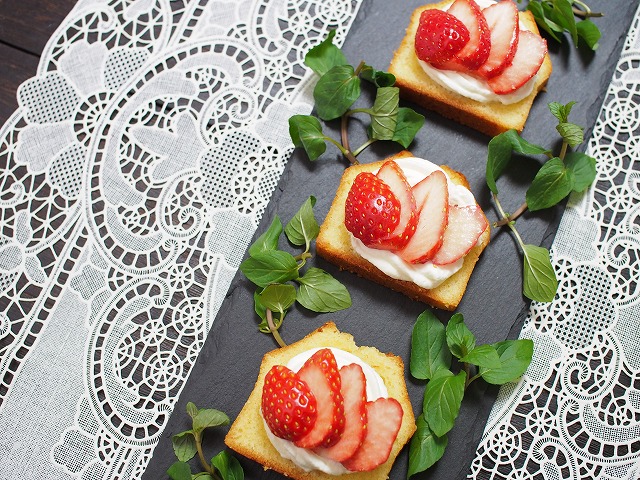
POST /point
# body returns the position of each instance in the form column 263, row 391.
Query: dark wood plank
column 15, row 67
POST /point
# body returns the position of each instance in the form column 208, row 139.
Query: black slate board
column 493, row 305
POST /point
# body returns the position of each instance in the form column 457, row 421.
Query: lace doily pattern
column 134, row 174
column 576, row 412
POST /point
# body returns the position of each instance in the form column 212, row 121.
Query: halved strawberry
column 288, row 406
column 320, row 372
column 465, row 226
column 432, row 197
column 525, row 64
column 502, row 19
column 384, row 417
column 440, row 36
column 393, row 176
column 354, row 393
column 371, row 210
column 476, row 51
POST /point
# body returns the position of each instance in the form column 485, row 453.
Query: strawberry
column 384, row 417
column 393, row 176
column 288, row 406
column 440, row 36
column 320, row 372
column 502, row 19
column 371, row 209
column 476, row 51
column 525, row 64
column 465, row 226
column 354, row 385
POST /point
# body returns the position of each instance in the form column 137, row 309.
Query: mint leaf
column 459, row 338
column 540, row 283
column 278, row 297
column 425, row 448
column 571, row 133
column 429, row 352
column 408, row 123
column 552, row 28
column 552, row 183
column 209, row 417
column 192, row 410
column 442, row 400
column 303, row 227
column 306, row 132
column 324, row 56
column 589, row 33
column 515, row 357
column 483, row 356
column 320, row 292
column 565, row 17
column 184, row 445
column 261, row 310
column 384, row 113
column 583, row 169
column 270, row 267
column 269, row 239
column 336, row 91
column 377, row 77
column 560, row 111
column 179, row 471
column 228, row 466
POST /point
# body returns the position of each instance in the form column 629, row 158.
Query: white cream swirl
column 426, row 275
column 307, row 459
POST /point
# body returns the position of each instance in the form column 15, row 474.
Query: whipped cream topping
column 307, row 459
column 426, row 275
column 472, row 87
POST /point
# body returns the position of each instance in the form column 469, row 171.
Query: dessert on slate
column 481, row 64
column 406, row 224
column 324, row 408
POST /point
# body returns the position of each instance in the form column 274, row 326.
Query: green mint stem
column 344, row 135
column 274, row 330
column 363, row 146
column 302, row 256
column 584, row 11
column 475, row 377
column 467, row 369
column 204, row 463
column 512, row 218
column 510, row 223
column 563, row 150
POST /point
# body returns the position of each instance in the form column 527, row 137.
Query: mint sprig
column 432, row 348
column 559, row 176
column 337, row 90
column 187, row 444
column 277, row 273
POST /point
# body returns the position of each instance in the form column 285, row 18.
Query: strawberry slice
column 321, row 373
column 476, row 51
column 525, row 64
column 384, row 417
column 440, row 36
column 393, row 176
column 502, row 19
column 288, row 406
column 371, row 210
column 432, row 195
column 354, row 386
column 465, row 226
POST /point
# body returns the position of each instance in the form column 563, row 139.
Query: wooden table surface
column 25, row 28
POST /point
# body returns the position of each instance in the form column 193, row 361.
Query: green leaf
column 202, row 476
column 377, row 77
column 552, row 183
column 540, row 283
column 306, row 132
column 407, row 126
column 184, row 445
column 320, row 292
column 270, row 267
column 261, row 310
column 571, row 133
column 459, row 338
column 583, row 168
column 442, row 400
column 560, row 111
column 384, row 113
column 269, row 239
column 429, row 352
column 209, row 417
column 324, row 56
column 278, row 297
column 499, row 154
column 336, row 91
column 192, row 410
column 483, row 356
column 589, row 33
column 425, row 448
column 179, row 471
column 515, row 357
column 303, row 227
column 552, row 28
column 228, row 466
column 566, row 17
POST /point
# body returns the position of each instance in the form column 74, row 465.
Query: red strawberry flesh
column 321, row 373
column 440, row 36
column 384, row 418
column 354, row 385
column 465, row 226
column 502, row 19
column 288, row 406
column 476, row 51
